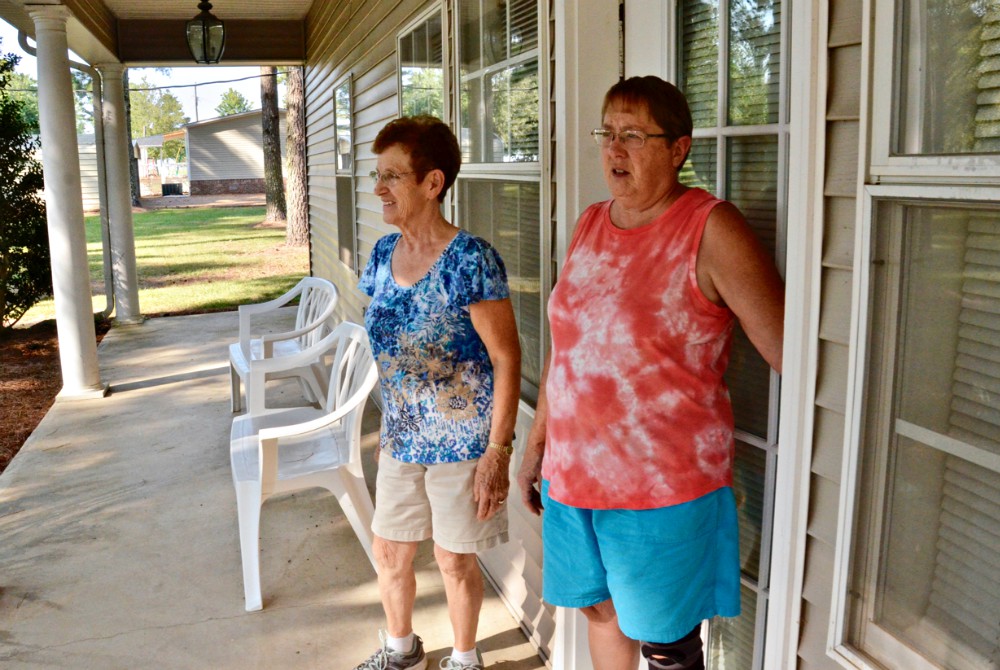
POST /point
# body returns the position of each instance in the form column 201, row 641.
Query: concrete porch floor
column 119, row 544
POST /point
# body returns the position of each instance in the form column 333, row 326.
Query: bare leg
column 463, row 585
column 609, row 648
column 397, row 583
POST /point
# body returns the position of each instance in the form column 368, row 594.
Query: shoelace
column 380, row 660
column 448, row 664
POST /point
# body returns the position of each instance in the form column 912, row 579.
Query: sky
column 180, row 82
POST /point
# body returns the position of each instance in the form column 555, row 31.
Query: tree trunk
column 297, row 230
column 274, row 187
column 133, row 162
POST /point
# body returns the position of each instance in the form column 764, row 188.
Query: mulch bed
column 30, row 378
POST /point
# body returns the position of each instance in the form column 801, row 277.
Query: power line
column 205, row 83
column 160, row 88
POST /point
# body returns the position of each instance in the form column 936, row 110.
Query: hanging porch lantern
column 206, row 35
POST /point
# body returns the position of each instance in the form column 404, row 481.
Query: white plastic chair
column 288, row 449
column 313, row 318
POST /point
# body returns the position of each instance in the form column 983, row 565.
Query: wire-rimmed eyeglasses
column 388, row 177
column 632, row 139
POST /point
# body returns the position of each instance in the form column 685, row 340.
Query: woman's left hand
column 491, row 484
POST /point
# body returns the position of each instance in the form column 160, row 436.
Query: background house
column 88, row 172
column 226, row 154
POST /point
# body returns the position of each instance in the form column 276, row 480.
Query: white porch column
column 64, row 206
column 116, row 149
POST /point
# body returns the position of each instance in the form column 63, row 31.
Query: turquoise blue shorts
column 666, row 570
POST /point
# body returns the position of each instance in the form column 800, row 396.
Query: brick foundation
column 226, row 186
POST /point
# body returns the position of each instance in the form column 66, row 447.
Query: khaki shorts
column 414, row 502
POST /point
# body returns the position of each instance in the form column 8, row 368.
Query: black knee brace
column 684, row 654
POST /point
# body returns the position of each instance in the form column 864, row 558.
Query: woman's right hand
column 529, row 475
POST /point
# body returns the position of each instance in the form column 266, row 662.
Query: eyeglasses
column 388, row 178
column 632, row 139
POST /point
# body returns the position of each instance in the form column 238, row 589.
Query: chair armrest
column 271, row 305
column 325, row 421
column 246, row 312
column 264, row 366
column 306, row 306
column 267, row 340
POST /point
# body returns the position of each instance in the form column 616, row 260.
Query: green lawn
column 197, row 260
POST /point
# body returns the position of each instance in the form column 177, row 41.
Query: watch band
column 506, row 449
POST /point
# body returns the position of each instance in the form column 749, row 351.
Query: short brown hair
column 664, row 102
column 430, row 144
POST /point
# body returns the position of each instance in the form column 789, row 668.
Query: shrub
column 25, row 274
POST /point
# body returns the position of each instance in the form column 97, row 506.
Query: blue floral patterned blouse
column 437, row 379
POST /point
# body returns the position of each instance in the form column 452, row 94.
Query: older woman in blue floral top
column 442, row 329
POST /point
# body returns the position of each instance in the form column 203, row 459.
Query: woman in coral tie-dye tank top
column 632, row 448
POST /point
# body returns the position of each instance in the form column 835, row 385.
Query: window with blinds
column 506, row 212
column 499, row 192
column 730, row 69
column 344, row 180
column 933, row 568
column 924, row 591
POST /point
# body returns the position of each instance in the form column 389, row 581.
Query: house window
column 506, row 212
column 936, row 76
column 948, row 101
column 498, row 190
column 920, row 544
column 421, row 68
column 730, row 67
column 498, row 63
column 928, row 582
column 344, row 179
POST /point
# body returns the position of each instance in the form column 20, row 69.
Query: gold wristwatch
column 506, row 449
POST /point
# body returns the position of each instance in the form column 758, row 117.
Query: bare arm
column 735, row 270
column 494, row 323
column 529, row 475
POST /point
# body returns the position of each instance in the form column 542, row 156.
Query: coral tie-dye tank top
column 638, row 413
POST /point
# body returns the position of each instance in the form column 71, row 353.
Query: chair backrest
column 317, row 301
column 352, row 375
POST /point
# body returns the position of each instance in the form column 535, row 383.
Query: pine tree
column 233, row 102
column 297, row 229
column 274, row 187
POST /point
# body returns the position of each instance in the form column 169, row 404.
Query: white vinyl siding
column 843, row 50
column 88, row 176
column 229, row 148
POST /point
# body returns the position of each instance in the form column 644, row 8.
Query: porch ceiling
column 259, row 10
column 151, row 32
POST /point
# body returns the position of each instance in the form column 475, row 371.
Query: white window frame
column 884, row 165
column 807, row 77
column 351, row 173
column 539, row 170
column 349, row 81
column 839, row 647
column 885, row 177
column 723, row 132
column 436, row 8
